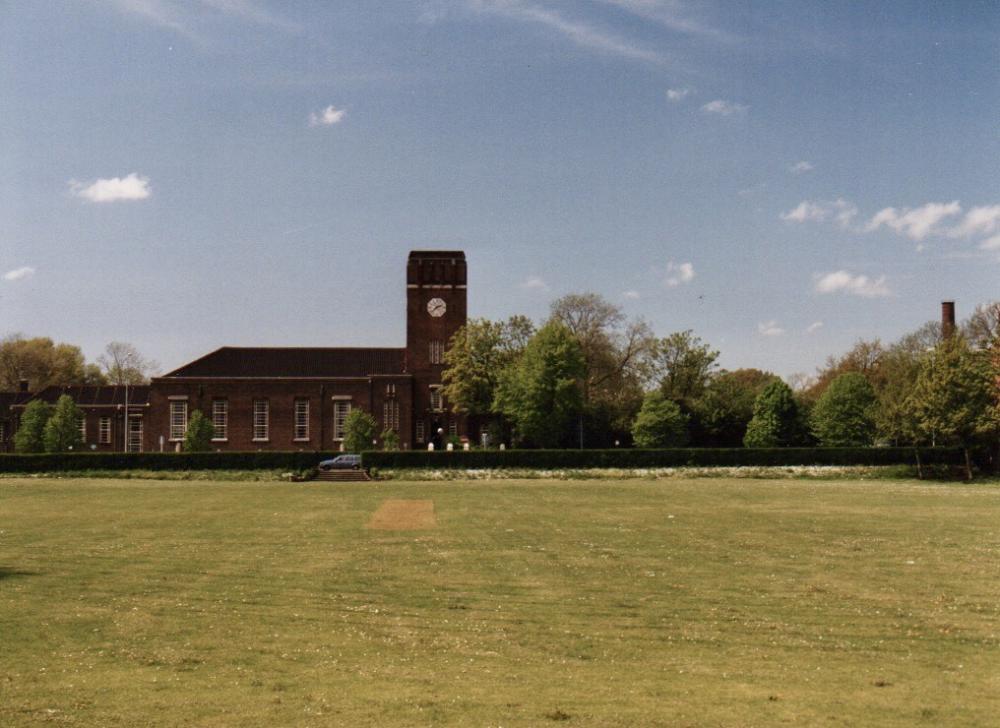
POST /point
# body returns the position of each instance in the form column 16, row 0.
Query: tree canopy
column 844, row 416
column 62, row 431
column 660, row 423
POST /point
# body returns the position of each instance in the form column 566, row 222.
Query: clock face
column 436, row 307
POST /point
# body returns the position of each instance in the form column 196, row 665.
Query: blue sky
column 780, row 177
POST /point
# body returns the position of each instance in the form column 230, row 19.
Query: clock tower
column 436, row 288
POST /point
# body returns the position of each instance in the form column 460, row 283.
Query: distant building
column 262, row 398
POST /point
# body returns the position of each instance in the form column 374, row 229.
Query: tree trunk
column 920, row 469
column 968, row 465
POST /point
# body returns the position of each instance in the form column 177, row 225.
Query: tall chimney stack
column 947, row 319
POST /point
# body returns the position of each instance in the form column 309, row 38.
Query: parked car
column 342, row 462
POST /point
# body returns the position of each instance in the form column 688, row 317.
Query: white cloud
column 182, row 17
column 327, row 117
column 842, row 281
column 978, row 221
column 19, row 274
column 672, row 15
column 114, row 189
column 678, row 273
column 578, row 32
column 814, row 327
column 991, row 243
column 916, row 223
column 841, row 211
column 677, row 94
column 632, row 295
column 534, row 283
column 770, row 328
column 801, row 167
column 724, row 108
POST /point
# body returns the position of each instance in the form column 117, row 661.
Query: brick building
column 261, row 398
column 297, row 398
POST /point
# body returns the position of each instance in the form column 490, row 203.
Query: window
column 437, row 352
column 390, row 390
column 341, row 408
column 390, row 415
column 302, row 419
column 178, row 419
column 83, row 428
column 436, row 403
column 104, row 431
column 420, row 430
column 220, row 419
column 134, row 443
column 261, row 412
column 453, row 428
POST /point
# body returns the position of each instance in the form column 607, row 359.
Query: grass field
column 515, row 603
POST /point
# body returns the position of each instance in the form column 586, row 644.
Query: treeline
column 590, row 377
column 42, row 363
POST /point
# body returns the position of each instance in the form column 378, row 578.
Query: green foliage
column 954, row 401
column 360, row 430
column 41, row 361
column 895, row 422
column 775, row 421
column 663, row 458
column 541, row 394
column 682, row 366
column 844, row 416
column 390, row 440
column 726, row 406
column 62, row 431
column 30, row 434
column 660, row 423
column 288, row 462
column 200, row 431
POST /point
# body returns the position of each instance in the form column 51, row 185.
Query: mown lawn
column 603, row 603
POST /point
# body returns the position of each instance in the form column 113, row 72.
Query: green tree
column 200, row 432
column 775, row 421
column 475, row 358
column 682, row 365
column 30, row 436
column 542, row 393
column 894, row 418
column 725, row 408
column 390, row 440
column 954, row 401
column 660, row 423
column 41, row 361
column 844, row 415
column 62, row 431
column 360, row 430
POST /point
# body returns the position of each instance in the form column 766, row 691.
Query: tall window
column 437, row 352
column 83, row 428
column 390, row 390
column 390, row 415
column 220, row 419
column 453, row 428
column 420, row 430
column 104, row 431
column 436, row 403
column 341, row 408
column 134, row 443
column 302, row 419
column 178, row 418
column 261, row 417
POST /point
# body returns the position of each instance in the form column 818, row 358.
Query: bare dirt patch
column 403, row 515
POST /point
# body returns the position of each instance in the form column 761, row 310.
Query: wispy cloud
column 582, row 33
column 814, row 327
column 184, row 18
column 801, row 167
column 327, row 117
column 992, row 243
column 915, row 223
column 534, row 283
column 840, row 211
column 631, row 295
column 114, row 189
column 769, row 328
column 677, row 94
column 842, row 281
column 978, row 221
column 672, row 15
column 724, row 108
column 678, row 273
column 19, row 274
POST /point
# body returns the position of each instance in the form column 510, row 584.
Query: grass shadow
column 7, row 572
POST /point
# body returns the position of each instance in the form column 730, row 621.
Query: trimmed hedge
column 50, row 463
column 678, row 457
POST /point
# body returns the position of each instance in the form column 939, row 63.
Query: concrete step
column 342, row 476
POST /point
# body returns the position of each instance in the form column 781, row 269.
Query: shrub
column 360, row 429
column 200, row 431
column 660, row 423
column 62, row 431
column 30, row 436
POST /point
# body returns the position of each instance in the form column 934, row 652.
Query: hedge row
column 627, row 458
column 47, row 463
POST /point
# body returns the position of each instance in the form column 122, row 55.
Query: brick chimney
column 947, row 319
column 22, row 385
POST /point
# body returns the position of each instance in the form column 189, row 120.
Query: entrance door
column 135, row 433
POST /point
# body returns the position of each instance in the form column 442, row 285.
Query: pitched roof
column 231, row 361
column 10, row 398
column 96, row 394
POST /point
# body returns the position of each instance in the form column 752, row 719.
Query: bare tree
column 123, row 364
